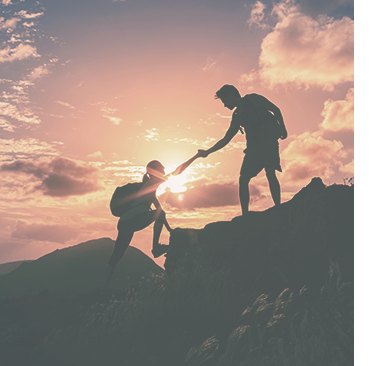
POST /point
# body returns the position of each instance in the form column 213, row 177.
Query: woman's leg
column 121, row 244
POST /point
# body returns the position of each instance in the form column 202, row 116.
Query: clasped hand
column 202, row 153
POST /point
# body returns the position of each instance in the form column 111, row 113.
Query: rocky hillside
column 286, row 246
column 269, row 288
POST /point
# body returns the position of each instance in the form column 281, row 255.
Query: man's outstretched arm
column 232, row 131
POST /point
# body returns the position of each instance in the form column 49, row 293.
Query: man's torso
column 260, row 124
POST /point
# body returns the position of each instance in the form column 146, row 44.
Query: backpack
column 270, row 126
column 122, row 199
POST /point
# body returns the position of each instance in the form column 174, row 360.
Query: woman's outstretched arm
column 183, row 166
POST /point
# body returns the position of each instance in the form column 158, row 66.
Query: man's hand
column 283, row 132
column 203, row 153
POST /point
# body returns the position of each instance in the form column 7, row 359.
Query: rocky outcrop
column 286, row 246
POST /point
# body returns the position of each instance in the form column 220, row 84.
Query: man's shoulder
column 254, row 97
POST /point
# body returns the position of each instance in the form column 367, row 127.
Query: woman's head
column 155, row 169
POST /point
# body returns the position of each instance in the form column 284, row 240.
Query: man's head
column 229, row 95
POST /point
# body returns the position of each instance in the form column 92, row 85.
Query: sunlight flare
column 174, row 184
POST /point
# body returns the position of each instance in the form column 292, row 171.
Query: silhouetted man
column 264, row 125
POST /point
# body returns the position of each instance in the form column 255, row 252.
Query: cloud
column 348, row 168
column 127, row 170
column 20, row 52
column 59, row 177
column 202, row 194
column 65, row 104
column 108, row 112
column 305, row 51
column 39, row 72
column 9, row 23
column 339, row 114
column 6, row 2
column 61, row 185
column 151, row 135
column 113, row 120
column 257, row 15
column 23, row 115
column 311, row 155
column 29, row 25
column 23, row 14
column 96, row 154
column 6, row 126
column 210, row 63
column 43, row 232
column 317, row 7
column 21, row 148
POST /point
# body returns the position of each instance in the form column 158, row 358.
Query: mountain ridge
column 76, row 269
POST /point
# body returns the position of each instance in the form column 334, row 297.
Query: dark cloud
column 58, row 185
column 58, row 178
column 318, row 7
column 26, row 167
column 203, row 195
column 49, row 233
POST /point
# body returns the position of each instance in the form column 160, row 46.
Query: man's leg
column 274, row 185
column 244, row 193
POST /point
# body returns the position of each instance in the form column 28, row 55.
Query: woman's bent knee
column 161, row 217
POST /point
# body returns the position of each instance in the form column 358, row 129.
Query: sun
column 175, row 184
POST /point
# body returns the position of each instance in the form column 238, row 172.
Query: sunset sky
column 92, row 90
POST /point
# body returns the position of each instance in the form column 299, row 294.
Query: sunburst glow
column 175, row 184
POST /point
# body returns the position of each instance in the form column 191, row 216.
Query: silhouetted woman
column 140, row 215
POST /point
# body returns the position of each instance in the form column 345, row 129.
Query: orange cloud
column 305, row 51
column 11, row 148
column 6, row 126
column 25, row 15
column 39, row 72
column 339, row 114
column 348, row 168
column 20, row 52
column 9, row 23
column 65, row 104
column 256, row 16
column 311, row 155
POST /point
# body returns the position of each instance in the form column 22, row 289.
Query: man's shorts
column 265, row 156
